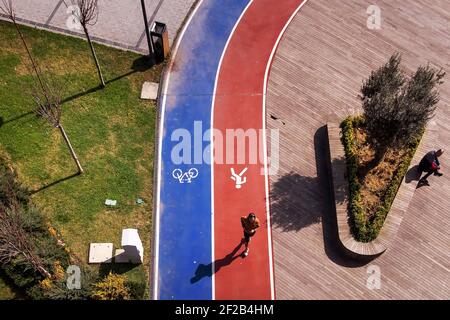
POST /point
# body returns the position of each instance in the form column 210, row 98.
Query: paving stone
column 120, row 22
column 100, row 252
column 149, row 90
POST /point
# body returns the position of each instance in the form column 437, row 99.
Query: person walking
column 249, row 223
column 431, row 165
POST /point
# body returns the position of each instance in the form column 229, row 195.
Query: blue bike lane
column 183, row 237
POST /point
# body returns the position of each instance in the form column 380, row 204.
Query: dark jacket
column 427, row 161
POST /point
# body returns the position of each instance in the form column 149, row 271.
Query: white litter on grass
column 110, row 202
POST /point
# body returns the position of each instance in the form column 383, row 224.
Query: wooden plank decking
column 322, row 59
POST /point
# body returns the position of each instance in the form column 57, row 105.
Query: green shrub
column 137, row 289
column 54, row 257
column 112, row 287
column 365, row 230
column 10, row 188
column 397, row 108
column 56, row 289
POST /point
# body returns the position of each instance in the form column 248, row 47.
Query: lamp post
column 147, row 32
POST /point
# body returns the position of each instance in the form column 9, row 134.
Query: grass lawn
column 111, row 130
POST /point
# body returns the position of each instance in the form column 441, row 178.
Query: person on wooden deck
column 249, row 224
column 431, row 165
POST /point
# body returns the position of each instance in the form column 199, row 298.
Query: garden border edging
column 339, row 188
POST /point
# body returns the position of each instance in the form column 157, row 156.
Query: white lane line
column 161, row 134
column 266, row 176
column 212, row 146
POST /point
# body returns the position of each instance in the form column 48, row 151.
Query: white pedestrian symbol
column 187, row 176
column 238, row 178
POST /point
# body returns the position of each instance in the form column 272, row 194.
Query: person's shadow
column 413, row 175
column 206, row 270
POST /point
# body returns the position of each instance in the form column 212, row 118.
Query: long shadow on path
column 299, row 201
column 206, row 270
column 294, row 202
column 332, row 244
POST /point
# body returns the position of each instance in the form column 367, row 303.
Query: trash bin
column 160, row 41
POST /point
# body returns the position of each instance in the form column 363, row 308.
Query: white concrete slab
column 100, row 252
column 149, row 90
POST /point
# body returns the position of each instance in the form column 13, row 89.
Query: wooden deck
column 322, row 59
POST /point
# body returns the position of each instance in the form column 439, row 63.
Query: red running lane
column 239, row 105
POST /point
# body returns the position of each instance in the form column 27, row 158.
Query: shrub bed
column 363, row 227
column 46, row 244
column 42, row 239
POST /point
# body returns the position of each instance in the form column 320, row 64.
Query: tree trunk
column 33, row 62
column 94, row 55
column 72, row 152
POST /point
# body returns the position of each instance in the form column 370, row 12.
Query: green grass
column 111, row 130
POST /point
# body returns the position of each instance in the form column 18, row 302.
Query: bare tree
column 396, row 109
column 88, row 15
column 49, row 106
column 47, row 98
column 7, row 8
column 14, row 240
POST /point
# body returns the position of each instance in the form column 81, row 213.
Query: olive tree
column 396, row 109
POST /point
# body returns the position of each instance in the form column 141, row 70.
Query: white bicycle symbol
column 187, row 176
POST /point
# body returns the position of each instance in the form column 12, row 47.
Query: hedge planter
column 340, row 190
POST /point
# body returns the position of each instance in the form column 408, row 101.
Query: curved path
column 216, row 81
column 321, row 61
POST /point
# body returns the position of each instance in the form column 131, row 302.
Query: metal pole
column 147, row 32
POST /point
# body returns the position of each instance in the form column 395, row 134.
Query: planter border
column 339, row 188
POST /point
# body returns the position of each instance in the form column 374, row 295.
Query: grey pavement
column 120, row 22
